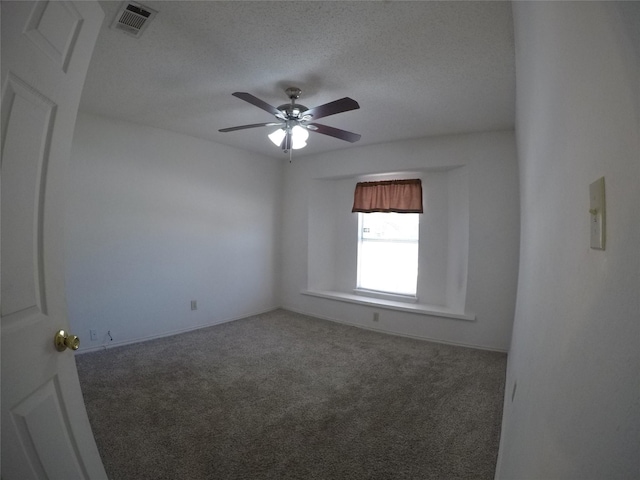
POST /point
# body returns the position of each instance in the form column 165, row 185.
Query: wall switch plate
column 598, row 214
column 93, row 334
column 194, row 305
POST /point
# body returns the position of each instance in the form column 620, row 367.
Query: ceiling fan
column 294, row 121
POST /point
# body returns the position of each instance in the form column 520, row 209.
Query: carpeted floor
column 286, row 396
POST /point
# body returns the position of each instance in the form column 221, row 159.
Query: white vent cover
column 133, row 18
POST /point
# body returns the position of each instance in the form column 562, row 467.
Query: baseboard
column 291, row 309
column 390, row 332
column 122, row 343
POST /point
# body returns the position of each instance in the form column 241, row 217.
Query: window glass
column 388, row 252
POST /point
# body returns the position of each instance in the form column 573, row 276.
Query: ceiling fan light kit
column 299, row 137
column 294, row 120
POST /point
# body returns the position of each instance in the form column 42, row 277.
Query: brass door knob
column 63, row 341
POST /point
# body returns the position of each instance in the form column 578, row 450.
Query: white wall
column 156, row 219
column 458, row 238
column 490, row 177
column 576, row 344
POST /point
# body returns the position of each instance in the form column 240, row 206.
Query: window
column 388, row 252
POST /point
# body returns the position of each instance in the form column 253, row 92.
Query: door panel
column 54, row 28
column 46, row 49
column 40, row 419
column 27, row 123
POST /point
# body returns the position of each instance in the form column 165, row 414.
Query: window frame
column 386, row 294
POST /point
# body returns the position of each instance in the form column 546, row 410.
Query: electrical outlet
column 93, row 334
column 194, row 305
column 376, row 316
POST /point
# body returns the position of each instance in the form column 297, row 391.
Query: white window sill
column 394, row 297
column 391, row 304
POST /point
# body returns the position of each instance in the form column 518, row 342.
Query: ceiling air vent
column 133, row 18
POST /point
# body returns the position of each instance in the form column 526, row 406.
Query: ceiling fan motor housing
column 293, row 111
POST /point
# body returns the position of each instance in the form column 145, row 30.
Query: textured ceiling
column 416, row 68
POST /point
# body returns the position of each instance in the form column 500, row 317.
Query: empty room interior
column 306, row 320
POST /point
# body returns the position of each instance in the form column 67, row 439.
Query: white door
column 46, row 49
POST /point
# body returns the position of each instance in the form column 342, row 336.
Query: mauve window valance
column 400, row 196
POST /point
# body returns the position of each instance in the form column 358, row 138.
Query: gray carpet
column 286, row 396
